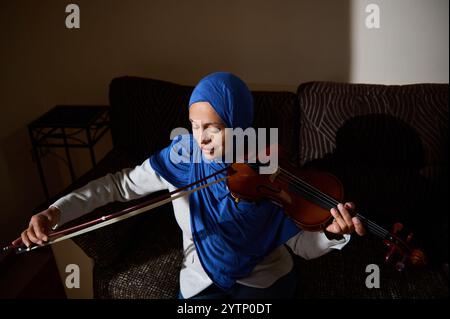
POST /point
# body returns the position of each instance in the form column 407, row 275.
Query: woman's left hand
column 343, row 222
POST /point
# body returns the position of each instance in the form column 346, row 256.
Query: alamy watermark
column 232, row 145
column 73, row 17
column 373, row 279
column 373, row 17
column 73, row 277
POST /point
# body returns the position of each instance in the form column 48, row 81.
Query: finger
column 17, row 242
column 350, row 205
column 359, row 227
column 334, row 228
column 39, row 229
column 338, row 218
column 31, row 235
column 25, row 239
column 347, row 217
column 52, row 220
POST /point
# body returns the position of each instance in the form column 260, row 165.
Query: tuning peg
column 418, row 257
column 390, row 253
column 400, row 265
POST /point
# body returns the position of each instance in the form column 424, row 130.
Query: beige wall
column 411, row 45
column 270, row 44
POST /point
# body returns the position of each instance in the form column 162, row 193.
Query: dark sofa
column 387, row 144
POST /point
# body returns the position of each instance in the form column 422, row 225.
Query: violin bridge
column 236, row 199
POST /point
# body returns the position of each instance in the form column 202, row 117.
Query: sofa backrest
column 326, row 107
column 144, row 111
column 389, row 147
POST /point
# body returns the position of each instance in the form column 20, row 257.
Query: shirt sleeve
column 173, row 163
column 124, row 185
column 310, row 245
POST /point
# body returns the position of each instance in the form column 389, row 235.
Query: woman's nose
column 205, row 138
column 206, row 141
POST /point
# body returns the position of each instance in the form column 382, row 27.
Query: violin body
column 245, row 183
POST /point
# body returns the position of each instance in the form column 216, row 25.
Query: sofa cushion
column 150, row 264
column 343, row 274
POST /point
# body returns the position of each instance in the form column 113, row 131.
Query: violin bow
column 118, row 216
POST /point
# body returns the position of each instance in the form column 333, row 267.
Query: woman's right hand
column 39, row 228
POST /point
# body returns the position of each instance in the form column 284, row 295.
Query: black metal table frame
column 40, row 136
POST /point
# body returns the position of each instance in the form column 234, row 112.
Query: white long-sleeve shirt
column 132, row 183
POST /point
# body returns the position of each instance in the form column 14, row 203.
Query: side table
column 68, row 126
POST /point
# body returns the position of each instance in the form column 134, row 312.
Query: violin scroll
column 401, row 252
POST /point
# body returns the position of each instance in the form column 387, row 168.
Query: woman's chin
column 209, row 155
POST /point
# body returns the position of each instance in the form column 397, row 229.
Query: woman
column 232, row 249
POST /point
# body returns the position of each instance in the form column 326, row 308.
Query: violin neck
column 373, row 227
column 328, row 202
column 313, row 194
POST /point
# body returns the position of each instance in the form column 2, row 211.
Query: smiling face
column 208, row 129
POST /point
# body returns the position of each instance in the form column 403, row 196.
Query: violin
column 307, row 197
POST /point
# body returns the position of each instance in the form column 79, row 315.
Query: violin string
column 371, row 226
column 331, row 202
column 328, row 200
column 313, row 190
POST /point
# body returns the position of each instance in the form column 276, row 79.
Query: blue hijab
column 231, row 238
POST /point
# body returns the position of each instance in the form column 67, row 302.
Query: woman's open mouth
column 209, row 151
